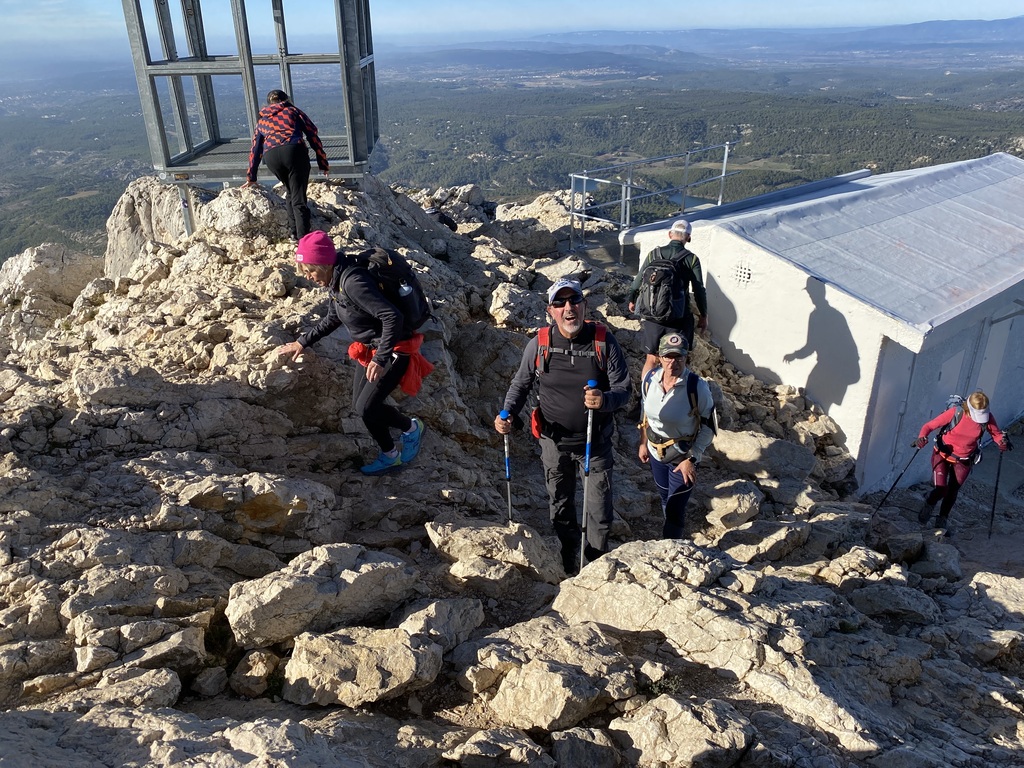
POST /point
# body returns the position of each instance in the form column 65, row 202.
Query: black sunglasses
column 559, row 303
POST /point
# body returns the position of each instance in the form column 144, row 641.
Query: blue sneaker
column 381, row 464
column 411, row 443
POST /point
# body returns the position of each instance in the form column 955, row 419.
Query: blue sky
column 81, row 26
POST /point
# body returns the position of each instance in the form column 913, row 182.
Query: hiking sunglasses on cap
column 559, row 303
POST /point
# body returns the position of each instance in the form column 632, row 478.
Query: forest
column 517, row 134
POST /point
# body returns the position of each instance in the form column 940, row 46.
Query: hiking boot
column 411, row 442
column 942, row 524
column 924, row 514
column 381, row 464
column 570, row 560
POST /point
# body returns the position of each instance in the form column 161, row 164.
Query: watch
column 693, row 459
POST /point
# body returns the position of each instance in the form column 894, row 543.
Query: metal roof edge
column 628, row 236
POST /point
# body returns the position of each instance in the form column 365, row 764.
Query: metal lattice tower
column 200, row 107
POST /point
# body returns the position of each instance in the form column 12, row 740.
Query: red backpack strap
column 601, row 345
column 543, row 349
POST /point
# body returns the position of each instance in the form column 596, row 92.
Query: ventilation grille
column 742, row 274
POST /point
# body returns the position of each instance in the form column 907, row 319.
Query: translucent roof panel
column 922, row 246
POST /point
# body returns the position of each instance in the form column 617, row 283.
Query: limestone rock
column 210, row 682
column 901, row 603
column 585, row 746
column 764, row 540
column 940, row 560
column 356, row 666
column 250, row 678
column 761, row 456
column 516, row 544
column 500, row 747
column 37, row 288
column 492, row 578
column 670, row 731
column 544, row 674
column 327, row 587
column 446, row 622
column 734, row 503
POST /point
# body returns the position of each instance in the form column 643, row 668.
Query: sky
column 97, row 26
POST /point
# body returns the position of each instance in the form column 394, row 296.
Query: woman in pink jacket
column 956, row 451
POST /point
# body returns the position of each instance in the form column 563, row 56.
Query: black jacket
column 363, row 309
column 560, row 388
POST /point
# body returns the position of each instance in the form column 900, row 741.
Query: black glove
column 1006, row 445
column 921, row 442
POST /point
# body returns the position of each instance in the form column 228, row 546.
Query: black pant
column 290, row 163
column 369, row 400
column 563, row 461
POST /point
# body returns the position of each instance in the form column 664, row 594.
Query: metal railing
column 586, row 206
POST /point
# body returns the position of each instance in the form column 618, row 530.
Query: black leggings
column 369, row 400
column 290, row 163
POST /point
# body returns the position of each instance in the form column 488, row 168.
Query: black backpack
column 397, row 281
column 663, row 296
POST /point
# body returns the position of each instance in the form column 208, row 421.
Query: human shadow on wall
column 722, row 321
column 830, row 340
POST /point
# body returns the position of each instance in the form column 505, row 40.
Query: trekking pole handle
column 591, row 384
column 508, row 464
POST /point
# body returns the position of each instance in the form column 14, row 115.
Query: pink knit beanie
column 316, row 248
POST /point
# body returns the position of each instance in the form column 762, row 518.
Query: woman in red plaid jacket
column 278, row 141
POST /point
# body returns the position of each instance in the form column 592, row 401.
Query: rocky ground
column 192, row 571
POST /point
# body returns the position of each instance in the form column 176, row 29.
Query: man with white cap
column 689, row 276
column 956, row 449
column 562, row 358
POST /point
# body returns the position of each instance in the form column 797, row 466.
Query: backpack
column 663, row 296
column 960, row 403
column 397, row 281
column 691, row 395
column 544, row 348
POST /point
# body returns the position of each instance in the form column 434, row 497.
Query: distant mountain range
column 974, row 44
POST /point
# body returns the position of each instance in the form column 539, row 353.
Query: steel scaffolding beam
column 187, row 141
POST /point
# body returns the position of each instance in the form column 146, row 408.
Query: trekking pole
column 995, row 495
column 508, row 467
column 591, row 384
column 897, row 481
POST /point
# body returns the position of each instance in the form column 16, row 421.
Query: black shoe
column 925, row 513
column 570, row 560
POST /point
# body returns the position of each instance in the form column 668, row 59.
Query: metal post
column 186, row 208
column 282, row 47
column 686, row 183
column 725, row 164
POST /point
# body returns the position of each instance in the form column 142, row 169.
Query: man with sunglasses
column 574, row 352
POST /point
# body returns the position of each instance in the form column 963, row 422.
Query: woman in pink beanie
column 377, row 326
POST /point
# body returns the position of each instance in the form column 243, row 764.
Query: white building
column 881, row 295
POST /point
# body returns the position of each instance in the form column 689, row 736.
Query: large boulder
column 357, row 666
column 329, row 586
